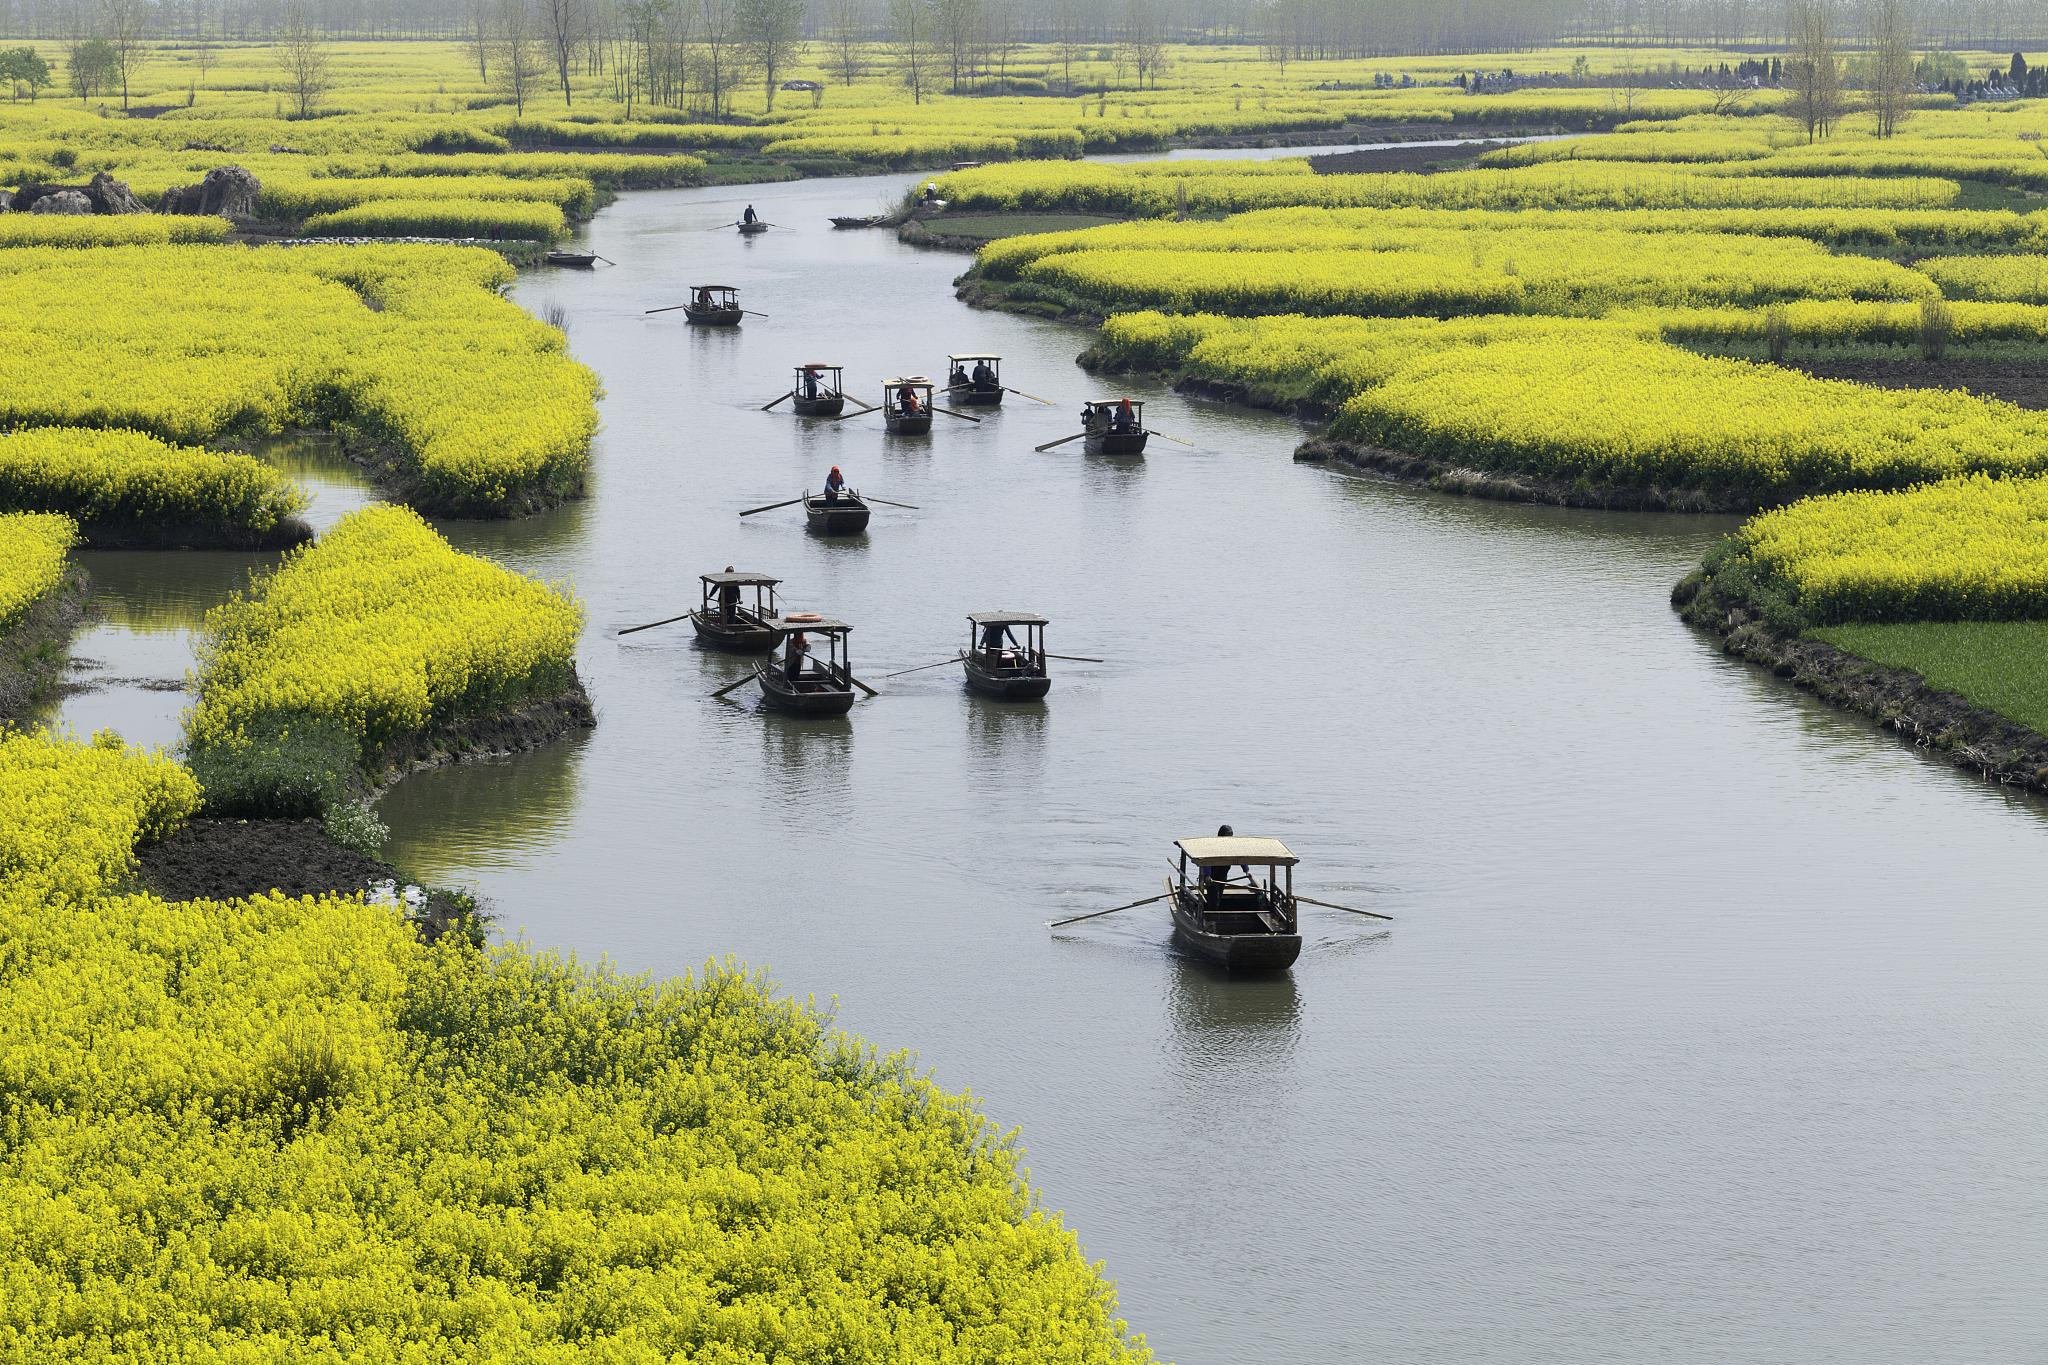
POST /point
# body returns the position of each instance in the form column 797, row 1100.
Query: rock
column 226, row 190
column 109, row 195
column 62, row 201
column 6, row 200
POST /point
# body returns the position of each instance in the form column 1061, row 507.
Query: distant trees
column 23, row 72
column 515, row 53
column 89, row 66
column 564, row 27
column 912, row 22
column 124, row 27
column 1891, row 64
column 846, row 33
column 1813, row 71
column 771, row 32
column 302, row 54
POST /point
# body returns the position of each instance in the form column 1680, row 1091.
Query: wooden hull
column 748, row 637
column 810, row 698
column 752, row 229
column 713, row 317
column 1006, row 686
column 574, row 260
column 820, row 407
column 907, row 424
column 843, row 222
column 1116, row 442
column 977, row 398
column 1250, row 951
column 841, row 518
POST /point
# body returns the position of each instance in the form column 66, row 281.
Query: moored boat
column 1223, row 910
column 574, row 260
column 724, row 621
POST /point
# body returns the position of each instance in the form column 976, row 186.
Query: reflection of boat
column 1224, row 1020
column 810, row 686
column 1226, row 913
column 723, row 621
column 1001, row 666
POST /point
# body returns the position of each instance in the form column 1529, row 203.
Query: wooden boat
column 1226, row 913
column 753, row 229
column 963, row 388
column 574, row 260
column 1114, row 426
column 819, row 391
column 845, row 516
column 999, row 665
column 714, row 305
column 907, row 405
column 872, row 220
column 821, row 687
column 723, row 621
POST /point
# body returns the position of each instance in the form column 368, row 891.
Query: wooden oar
column 1070, row 658
column 906, row 506
column 921, row 668
column 1032, row 396
column 606, row 259
column 670, row 309
column 950, row 413
column 723, row 226
column 865, row 407
column 862, row 686
column 772, row 506
column 1369, row 914
column 766, row 406
column 733, row 686
column 1056, row 923
column 1062, row 441
column 752, row 314
column 630, row 630
column 1175, row 439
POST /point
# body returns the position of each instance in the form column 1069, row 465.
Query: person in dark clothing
column 994, row 640
column 1214, row 878
column 1125, row 418
column 810, row 384
column 793, row 657
column 906, row 401
column 957, row 379
column 984, row 377
column 750, row 216
column 729, row 601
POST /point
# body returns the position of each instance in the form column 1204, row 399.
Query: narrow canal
column 1711, row 1024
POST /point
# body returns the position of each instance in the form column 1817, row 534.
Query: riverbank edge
column 34, row 650
column 396, row 475
column 191, row 535
column 1897, row 699
column 519, row 728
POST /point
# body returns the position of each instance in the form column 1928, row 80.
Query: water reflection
column 1225, row 1023
column 1006, row 740
column 335, row 485
column 485, row 812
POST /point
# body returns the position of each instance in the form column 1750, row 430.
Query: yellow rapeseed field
column 32, row 550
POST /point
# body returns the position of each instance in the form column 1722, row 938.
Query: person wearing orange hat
column 835, row 484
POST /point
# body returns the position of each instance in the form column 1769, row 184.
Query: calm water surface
column 1712, row 1025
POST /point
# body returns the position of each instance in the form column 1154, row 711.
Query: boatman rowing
column 835, row 485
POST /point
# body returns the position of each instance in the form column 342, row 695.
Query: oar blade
column 1098, row 914
column 772, row 402
column 734, row 686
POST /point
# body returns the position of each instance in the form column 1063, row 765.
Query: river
column 1711, row 1022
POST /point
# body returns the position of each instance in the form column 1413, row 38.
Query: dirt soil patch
column 2022, row 383
column 229, row 859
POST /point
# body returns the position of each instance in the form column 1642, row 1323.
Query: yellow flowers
column 125, row 484
column 32, row 550
column 441, row 218
column 1970, row 548
column 251, row 1130
column 2021, row 279
column 37, row 229
column 386, row 630
column 407, row 348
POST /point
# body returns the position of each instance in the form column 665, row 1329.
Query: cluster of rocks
column 228, row 191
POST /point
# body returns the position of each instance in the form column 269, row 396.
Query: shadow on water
column 484, row 813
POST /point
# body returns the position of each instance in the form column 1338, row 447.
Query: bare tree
column 1891, row 64
column 124, row 25
column 205, row 53
column 847, row 32
column 957, row 26
column 1145, row 37
column 1813, row 72
column 770, row 31
column 476, row 32
column 1066, row 39
column 302, row 54
column 565, row 25
column 912, row 20
column 517, row 52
